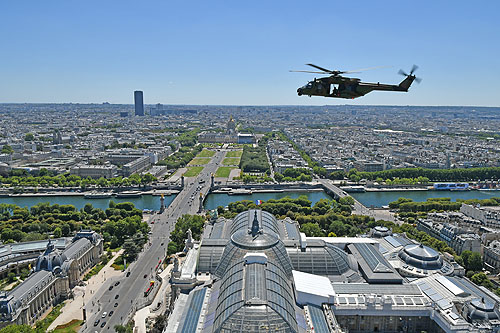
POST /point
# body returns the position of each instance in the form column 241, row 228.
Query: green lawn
column 93, row 271
column 231, row 161
column 193, row 171
column 43, row 324
column 199, row 161
column 71, row 327
column 206, row 153
column 234, row 153
column 223, row 172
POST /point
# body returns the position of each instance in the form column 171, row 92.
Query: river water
column 377, row 199
column 143, row 202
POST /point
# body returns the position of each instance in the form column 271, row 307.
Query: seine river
column 143, row 202
column 377, row 199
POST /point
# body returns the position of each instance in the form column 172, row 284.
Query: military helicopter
column 337, row 86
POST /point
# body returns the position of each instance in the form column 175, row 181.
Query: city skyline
column 240, row 55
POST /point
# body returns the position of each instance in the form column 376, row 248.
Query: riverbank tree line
column 294, row 174
column 119, row 222
column 46, row 178
column 439, row 204
column 434, row 175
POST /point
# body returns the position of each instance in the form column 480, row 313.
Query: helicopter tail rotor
column 413, row 69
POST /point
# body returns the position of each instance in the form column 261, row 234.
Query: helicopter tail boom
column 406, row 83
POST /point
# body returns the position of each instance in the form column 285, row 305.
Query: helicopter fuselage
column 336, row 86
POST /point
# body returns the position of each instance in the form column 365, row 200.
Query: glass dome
column 480, row 309
column 320, row 259
column 421, row 256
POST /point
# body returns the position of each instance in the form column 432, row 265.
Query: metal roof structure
column 373, row 265
column 421, row 256
column 319, row 258
column 254, row 295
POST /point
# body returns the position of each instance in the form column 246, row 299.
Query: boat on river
column 129, row 194
column 451, row 186
column 98, row 195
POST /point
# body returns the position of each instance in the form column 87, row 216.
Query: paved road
column 129, row 293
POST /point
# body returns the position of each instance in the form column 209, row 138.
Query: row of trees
column 21, row 178
column 254, row 159
column 435, row 175
column 294, row 174
column 117, row 223
column 438, row 204
column 247, row 178
column 181, row 157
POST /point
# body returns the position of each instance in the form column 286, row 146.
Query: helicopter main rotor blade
column 413, row 69
column 308, row 72
column 320, row 68
column 364, row 69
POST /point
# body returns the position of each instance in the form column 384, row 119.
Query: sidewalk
column 141, row 315
column 83, row 295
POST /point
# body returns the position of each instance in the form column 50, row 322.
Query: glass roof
column 320, row 260
column 255, row 298
column 193, row 313
column 243, row 221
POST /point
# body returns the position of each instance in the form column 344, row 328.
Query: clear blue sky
column 239, row 52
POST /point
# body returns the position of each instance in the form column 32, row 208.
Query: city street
column 128, row 296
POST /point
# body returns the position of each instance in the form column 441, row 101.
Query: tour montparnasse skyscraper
column 139, row 103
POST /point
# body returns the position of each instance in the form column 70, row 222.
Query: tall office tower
column 139, row 103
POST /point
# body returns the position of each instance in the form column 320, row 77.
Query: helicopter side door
column 334, row 90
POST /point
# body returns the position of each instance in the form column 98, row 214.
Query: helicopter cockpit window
column 309, row 85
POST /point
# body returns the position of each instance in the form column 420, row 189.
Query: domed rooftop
column 421, row 256
column 50, row 259
column 258, row 242
column 380, row 231
column 320, row 258
column 480, row 309
column 252, row 236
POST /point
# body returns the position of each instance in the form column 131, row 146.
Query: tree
column 14, row 328
column 6, row 149
column 278, row 177
column 11, row 276
column 88, row 207
column 482, row 280
column 65, row 229
column 148, row 178
column 475, row 262
column 348, row 200
column 122, row 329
column 29, row 137
column 160, row 323
column 171, row 248
column 58, row 232
column 312, row 230
column 130, row 250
